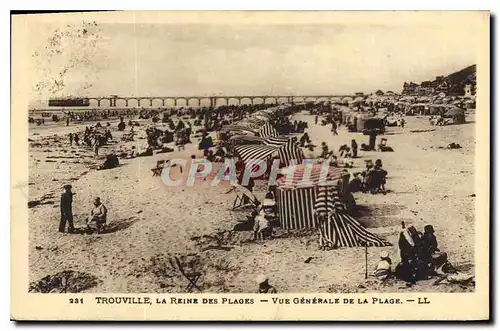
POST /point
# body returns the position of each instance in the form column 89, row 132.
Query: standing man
column 71, row 139
column 334, row 128
column 373, row 137
column 96, row 146
column 66, row 210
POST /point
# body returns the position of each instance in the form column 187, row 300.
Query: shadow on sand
column 375, row 216
column 113, row 226
column 120, row 225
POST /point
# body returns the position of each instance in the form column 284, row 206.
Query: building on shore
column 462, row 82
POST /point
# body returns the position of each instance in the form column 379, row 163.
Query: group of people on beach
column 372, row 179
column 93, row 136
column 421, row 259
column 96, row 221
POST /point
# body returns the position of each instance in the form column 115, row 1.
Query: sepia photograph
column 251, row 153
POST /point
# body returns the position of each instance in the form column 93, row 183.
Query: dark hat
column 67, row 187
column 428, row 229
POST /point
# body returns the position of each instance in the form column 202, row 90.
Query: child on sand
column 383, row 269
column 264, row 286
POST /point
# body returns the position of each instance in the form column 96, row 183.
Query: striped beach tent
column 291, row 153
column 309, row 175
column 268, row 131
column 247, row 153
column 244, row 139
column 336, row 227
column 287, row 153
column 296, row 208
column 277, row 141
column 296, row 195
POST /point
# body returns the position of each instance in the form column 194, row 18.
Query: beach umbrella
column 244, row 191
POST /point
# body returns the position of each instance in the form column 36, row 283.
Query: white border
column 184, row 5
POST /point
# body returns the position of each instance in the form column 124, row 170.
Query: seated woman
column 355, row 185
column 131, row 153
column 146, row 152
column 429, row 244
column 376, row 178
column 98, row 216
column 332, row 160
column 346, row 158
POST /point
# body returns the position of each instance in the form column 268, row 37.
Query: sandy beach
column 150, row 221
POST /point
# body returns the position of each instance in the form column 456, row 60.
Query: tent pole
column 366, row 260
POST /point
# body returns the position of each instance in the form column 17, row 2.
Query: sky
column 245, row 59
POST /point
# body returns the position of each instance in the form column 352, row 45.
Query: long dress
column 97, row 217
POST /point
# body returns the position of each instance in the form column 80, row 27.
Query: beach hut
column 361, row 119
column 373, row 124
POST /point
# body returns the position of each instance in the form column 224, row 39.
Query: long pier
column 117, row 101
